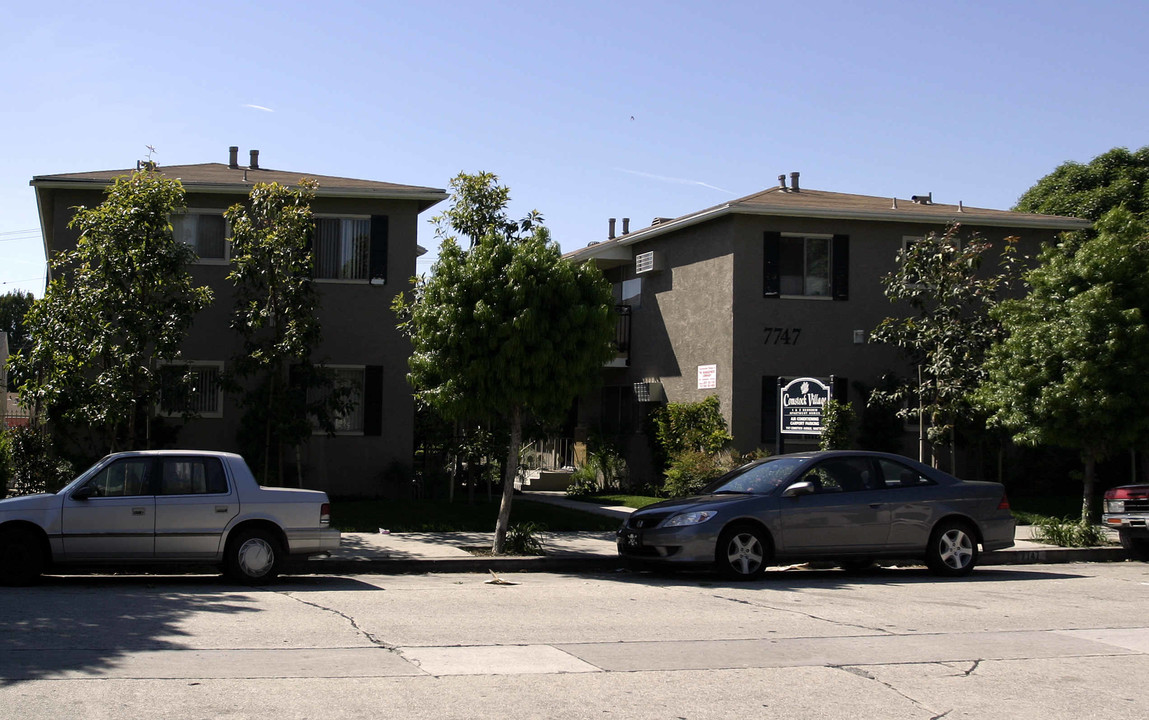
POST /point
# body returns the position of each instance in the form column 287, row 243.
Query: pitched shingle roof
column 782, row 202
column 220, row 178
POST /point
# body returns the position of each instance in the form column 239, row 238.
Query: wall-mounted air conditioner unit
column 647, row 262
column 649, row 391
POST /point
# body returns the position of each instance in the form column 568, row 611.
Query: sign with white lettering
column 800, row 404
column 707, row 377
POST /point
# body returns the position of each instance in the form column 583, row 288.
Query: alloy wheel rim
column 744, row 553
column 956, row 549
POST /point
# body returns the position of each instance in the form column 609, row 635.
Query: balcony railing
column 621, row 337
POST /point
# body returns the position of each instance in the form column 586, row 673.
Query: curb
column 608, row 563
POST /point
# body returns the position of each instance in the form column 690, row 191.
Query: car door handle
column 875, row 506
column 221, row 508
column 137, row 511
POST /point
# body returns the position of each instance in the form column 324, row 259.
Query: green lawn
column 631, row 501
column 442, row 516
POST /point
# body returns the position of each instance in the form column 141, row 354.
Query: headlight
column 690, row 518
column 1115, row 506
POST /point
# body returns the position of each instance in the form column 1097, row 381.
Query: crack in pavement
column 867, row 676
column 354, row 624
column 838, row 623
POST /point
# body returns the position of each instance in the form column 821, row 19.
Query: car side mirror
column 804, row 487
column 84, row 492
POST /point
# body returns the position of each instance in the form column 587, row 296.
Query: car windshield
column 756, row 478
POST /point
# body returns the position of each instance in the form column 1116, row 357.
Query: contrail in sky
column 680, row 181
column 259, row 107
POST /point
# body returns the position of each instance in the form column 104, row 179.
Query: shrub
column 682, row 427
column 5, row 463
column 522, row 539
column 1066, row 532
column 837, row 421
column 584, row 481
column 35, row 468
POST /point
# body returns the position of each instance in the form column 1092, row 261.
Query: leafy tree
column 276, row 314
column 1118, row 178
column 120, row 305
column 14, row 306
column 1073, row 369
column 950, row 331
column 506, row 329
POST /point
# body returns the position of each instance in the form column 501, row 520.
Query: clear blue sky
column 972, row 101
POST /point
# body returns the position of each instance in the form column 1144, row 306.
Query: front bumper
column 1133, row 524
column 688, row 545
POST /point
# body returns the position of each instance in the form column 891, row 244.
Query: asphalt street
column 1055, row 641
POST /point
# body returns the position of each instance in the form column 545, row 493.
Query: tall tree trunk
column 512, row 470
column 1087, row 493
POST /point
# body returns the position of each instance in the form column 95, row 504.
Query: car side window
column 895, row 474
column 192, row 476
column 841, row 475
column 123, row 478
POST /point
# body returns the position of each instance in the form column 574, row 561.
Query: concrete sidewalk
column 451, row 552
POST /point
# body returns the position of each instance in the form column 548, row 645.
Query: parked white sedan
column 165, row 506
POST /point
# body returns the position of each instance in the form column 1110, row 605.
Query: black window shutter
column 840, row 270
column 769, row 409
column 373, row 400
column 771, row 247
column 841, row 389
column 378, row 248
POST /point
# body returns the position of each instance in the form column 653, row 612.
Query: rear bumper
column 998, row 533
column 313, row 542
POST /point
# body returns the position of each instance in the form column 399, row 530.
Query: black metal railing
column 622, row 331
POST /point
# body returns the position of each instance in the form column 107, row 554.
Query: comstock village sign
column 800, row 404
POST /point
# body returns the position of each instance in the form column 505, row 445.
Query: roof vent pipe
column 625, row 226
column 782, row 181
column 794, row 182
column 254, row 159
column 233, row 157
column 610, row 234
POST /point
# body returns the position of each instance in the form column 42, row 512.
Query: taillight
column 325, row 514
column 1004, row 504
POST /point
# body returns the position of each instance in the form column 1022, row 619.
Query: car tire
column 21, row 557
column 1137, row 548
column 253, row 557
column 743, row 552
column 952, row 550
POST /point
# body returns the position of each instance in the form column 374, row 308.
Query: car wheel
column 21, row 557
column 1136, row 547
column 742, row 552
column 253, row 557
column 952, row 550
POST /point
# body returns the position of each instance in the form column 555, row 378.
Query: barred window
column 191, row 389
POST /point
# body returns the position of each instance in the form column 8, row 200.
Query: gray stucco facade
column 358, row 327
column 710, row 318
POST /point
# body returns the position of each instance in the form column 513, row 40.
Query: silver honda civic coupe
column 850, row 507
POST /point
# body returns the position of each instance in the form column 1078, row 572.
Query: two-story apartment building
column 782, row 283
column 364, row 249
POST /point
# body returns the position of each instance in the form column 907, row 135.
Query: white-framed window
column 350, row 379
column 191, row 388
column 205, row 231
column 804, row 265
column 342, row 248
